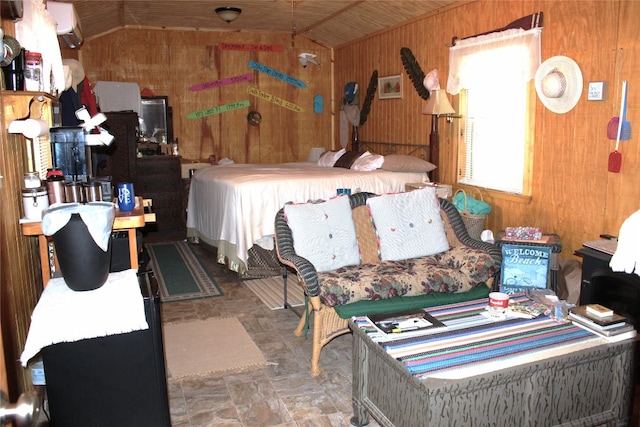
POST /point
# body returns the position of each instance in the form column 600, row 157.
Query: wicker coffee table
column 587, row 385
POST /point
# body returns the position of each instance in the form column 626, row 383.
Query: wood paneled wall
column 170, row 61
column 573, row 193
column 20, row 278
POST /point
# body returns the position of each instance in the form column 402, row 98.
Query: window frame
column 461, row 77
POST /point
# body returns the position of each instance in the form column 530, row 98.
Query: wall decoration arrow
column 222, row 82
column 251, row 47
column 219, row 109
column 272, row 98
column 277, row 74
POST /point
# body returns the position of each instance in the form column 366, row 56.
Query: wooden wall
column 573, row 193
column 169, row 61
column 20, row 278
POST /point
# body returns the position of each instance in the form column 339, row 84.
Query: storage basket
column 473, row 222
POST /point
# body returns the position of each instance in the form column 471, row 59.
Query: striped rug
column 270, row 290
column 472, row 340
column 180, row 274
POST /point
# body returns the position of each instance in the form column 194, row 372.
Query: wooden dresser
column 158, row 178
column 153, row 177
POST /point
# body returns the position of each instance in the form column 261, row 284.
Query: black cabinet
column 153, row 177
column 118, row 160
column 158, row 178
column 117, row 380
column 617, row 290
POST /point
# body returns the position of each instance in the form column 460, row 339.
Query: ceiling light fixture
column 228, row 13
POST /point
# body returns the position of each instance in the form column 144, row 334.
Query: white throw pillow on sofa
column 324, row 233
column 408, row 224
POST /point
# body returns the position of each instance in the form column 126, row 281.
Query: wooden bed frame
column 385, row 148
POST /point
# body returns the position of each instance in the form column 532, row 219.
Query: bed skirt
column 261, row 262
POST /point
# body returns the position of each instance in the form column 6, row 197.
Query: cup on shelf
column 73, row 192
column 126, row 197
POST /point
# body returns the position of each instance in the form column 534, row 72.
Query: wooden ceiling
column 330, row 23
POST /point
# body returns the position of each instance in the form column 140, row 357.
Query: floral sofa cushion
column 458, row 269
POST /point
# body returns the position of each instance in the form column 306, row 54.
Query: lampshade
column 228, row 14
column 438, row 104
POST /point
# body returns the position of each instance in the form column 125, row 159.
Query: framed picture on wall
column 390, row 87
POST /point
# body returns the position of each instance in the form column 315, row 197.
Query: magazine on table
column 581, row 314
column 619, row 333
column 405, row 324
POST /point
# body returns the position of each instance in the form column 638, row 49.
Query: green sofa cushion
column 391, row 305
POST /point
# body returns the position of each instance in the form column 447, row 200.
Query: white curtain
column 510, row 56
column 36, row 32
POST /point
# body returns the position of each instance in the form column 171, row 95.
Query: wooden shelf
column 124, row 221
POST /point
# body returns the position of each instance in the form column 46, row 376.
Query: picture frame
column 524, row 267
column 156, row 118
column 390, row 87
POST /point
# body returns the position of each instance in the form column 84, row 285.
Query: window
column 493, row 73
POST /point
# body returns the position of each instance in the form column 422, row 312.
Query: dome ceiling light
column 228, row 13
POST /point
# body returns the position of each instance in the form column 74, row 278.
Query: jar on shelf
column 31, row 180
column 33, row 72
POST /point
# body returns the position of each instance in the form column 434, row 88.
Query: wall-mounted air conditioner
column 68, row 23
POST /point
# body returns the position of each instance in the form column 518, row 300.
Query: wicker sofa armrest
column 287, row 256
column 453, row 222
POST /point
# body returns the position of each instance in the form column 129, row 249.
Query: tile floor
column 281, row 394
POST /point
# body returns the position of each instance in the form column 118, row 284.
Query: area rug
column 202, row 347
column 271, row 291
column 181, row 276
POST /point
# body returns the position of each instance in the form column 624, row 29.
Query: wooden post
column 434, row 149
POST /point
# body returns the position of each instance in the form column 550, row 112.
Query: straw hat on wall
column 558, row 83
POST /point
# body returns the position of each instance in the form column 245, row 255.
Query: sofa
column 339, row 284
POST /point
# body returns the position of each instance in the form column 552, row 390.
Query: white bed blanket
column 234, row 206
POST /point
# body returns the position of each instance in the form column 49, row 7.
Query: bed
column 233, row 207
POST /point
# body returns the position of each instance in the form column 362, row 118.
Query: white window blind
column 494, row 71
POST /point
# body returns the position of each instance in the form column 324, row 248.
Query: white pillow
column 324, row 233
column 368, row 162
column 408, row 224
column 329, row 158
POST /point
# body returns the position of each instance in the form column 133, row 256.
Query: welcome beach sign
column 524, row 268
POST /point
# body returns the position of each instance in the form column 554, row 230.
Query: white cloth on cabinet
column 64, row 315
column 627, row 255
